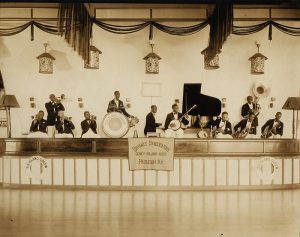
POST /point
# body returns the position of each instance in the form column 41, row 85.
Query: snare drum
column 115, row 125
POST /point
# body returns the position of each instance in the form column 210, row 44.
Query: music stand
column 9, row 101
column 293, row 103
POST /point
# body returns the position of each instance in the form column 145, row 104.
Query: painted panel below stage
column 197, row 173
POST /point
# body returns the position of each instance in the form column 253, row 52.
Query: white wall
column 122, row 68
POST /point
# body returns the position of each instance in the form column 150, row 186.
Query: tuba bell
column 261, row 90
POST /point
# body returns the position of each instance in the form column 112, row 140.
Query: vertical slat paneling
column 126, row 173
column 138, row 177
column 197, row 173
column 255, row 178
column 221, row 172
column 47, row 173
column 209, row 165
column 1, row 170
column 150, row 177
column 162, row 178
column 92, row 172
column 24, row 173
column 278, row 173
column 69, row 172
column 15, row 171
column 103, row 172
column 287, row 171
column 35, row 172
column 233, row 172
column 174, row 175
column 57, row 171
column 186, row 172
column 296, row 171
column 115, row 172
column 80, row 172
column 6, row 164
column 244, row 172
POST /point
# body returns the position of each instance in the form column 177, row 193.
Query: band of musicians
column 58, row 125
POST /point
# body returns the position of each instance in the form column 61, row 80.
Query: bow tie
column 175, row 113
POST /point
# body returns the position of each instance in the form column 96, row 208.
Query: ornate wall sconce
column 94, row 58
column 152, row 61
column 45, row 61
column 80, row 103
column 32, row 102
column 257, row 62
column 210, row 62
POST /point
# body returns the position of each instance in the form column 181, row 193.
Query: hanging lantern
column 210, row 62
column 45, row 62
column 257, row 62
column 152, row 61
column 94, row 58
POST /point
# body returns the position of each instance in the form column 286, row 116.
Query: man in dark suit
column 39, row 124
column 117, row 105
column 52, row 107
column 249, row 107
column 275, row 126
column 151, row 125
column 175, row 115
column 222, row 125
column 247, row 124
column 64, row 126
column 89, row 124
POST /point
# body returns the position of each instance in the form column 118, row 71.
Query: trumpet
column 93, row 117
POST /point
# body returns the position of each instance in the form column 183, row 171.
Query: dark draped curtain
column 220, row 22
column 75, row 24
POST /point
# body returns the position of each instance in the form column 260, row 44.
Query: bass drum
column 115, row 125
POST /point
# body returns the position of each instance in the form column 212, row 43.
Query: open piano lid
column 206, row 105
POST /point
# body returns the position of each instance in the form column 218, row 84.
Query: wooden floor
column 153, row 214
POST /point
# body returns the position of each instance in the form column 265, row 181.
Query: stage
column 102, row 164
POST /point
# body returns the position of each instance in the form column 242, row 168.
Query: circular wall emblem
column 267, row 168
column 35, row 167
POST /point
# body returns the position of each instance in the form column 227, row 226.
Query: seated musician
column 222, row 126
column 204, row 122
column 273, row 127
column 64, row 126
column 117, row 105
column 175, row 115
column 151, row 124
column 246, row 127
column 38, row 126
column 89, row 126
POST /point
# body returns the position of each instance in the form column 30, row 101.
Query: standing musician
column 151, row 124
column 38, row 126
column 222, row 127
column 52, row 107
column 246, row 126
column 64, row 126
column 89, row 126
column 273, row 127
column 250, row 106
column 168, row 125
column 116, row 105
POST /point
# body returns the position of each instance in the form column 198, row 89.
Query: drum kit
column 117, row 125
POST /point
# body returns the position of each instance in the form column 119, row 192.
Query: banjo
column 175, row 124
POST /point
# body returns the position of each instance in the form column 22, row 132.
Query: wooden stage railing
column 103, row 164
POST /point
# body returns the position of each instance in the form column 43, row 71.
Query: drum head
column 115, row 125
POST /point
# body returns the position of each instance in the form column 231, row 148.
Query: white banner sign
column 151, row 153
